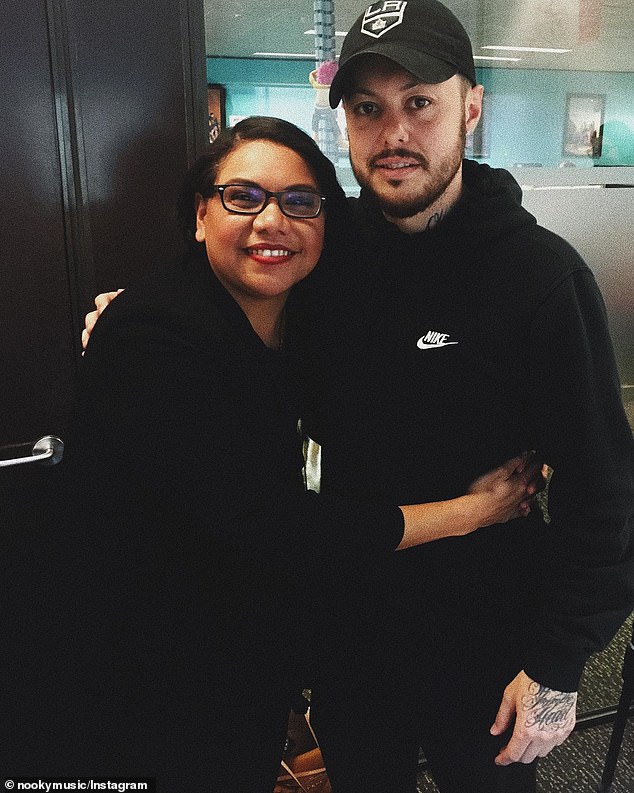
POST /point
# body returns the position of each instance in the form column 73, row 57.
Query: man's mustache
column 404, row 153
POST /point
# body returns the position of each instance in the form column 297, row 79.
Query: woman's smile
column 264, row 254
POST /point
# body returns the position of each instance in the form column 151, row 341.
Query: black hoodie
column 444, row 353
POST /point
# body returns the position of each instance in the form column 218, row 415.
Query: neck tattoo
column 435, row 219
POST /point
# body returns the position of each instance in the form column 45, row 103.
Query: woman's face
column 260, row 257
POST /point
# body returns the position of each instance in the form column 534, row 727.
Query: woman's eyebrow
column 251, row 183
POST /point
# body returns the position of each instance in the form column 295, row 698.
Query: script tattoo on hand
column 547, row 709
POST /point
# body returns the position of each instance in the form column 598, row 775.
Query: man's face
column 406, row 137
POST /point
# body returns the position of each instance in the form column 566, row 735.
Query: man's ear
column 201, row 211
column 473, row 106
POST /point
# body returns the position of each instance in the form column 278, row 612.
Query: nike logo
column 421, row 344
column 433, row 339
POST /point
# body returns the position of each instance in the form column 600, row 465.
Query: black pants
column 371, row 718
column 189, row 743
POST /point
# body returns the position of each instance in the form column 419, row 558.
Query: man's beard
column 445, row 171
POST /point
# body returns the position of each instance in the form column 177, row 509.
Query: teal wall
column 525, row 123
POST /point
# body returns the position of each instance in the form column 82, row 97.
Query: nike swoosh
column 422, row 346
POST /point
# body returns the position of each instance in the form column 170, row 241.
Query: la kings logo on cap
column 381, row 17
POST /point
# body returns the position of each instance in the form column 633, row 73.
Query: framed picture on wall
column 584, row 125
column 477, row 143
column 216, row 103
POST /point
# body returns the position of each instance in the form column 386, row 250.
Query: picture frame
column 583, row 131
column 216, row 99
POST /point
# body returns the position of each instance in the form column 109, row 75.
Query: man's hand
column 543, row 719
column 101, row 301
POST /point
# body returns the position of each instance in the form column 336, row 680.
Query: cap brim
column 427, row 68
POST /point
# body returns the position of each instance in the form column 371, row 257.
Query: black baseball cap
column 422, row 36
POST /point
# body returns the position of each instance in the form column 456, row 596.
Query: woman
column 209, row 564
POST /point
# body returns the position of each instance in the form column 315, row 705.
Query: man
column 467, row 333
column 458, row 333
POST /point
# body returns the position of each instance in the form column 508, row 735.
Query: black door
column 103, row 107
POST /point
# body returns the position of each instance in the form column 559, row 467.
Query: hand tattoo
column 547, row 709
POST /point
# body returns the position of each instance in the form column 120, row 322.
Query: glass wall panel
column 567, row 102
column 559, row 108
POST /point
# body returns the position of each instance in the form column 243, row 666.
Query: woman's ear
column 201, row 211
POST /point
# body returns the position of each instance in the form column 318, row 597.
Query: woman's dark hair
column 202, row 175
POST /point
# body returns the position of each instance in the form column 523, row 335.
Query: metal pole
column 627, row 695
column 325, row 129
column 324, row 15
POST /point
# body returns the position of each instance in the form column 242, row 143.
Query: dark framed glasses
column 244, row 199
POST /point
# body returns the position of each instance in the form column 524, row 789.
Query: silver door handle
column 49, row 450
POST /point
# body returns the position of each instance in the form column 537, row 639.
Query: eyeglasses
column 244, row 199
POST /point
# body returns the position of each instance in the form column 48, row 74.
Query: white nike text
column 434, row 338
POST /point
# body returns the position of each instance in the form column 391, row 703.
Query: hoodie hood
column 494, row 201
